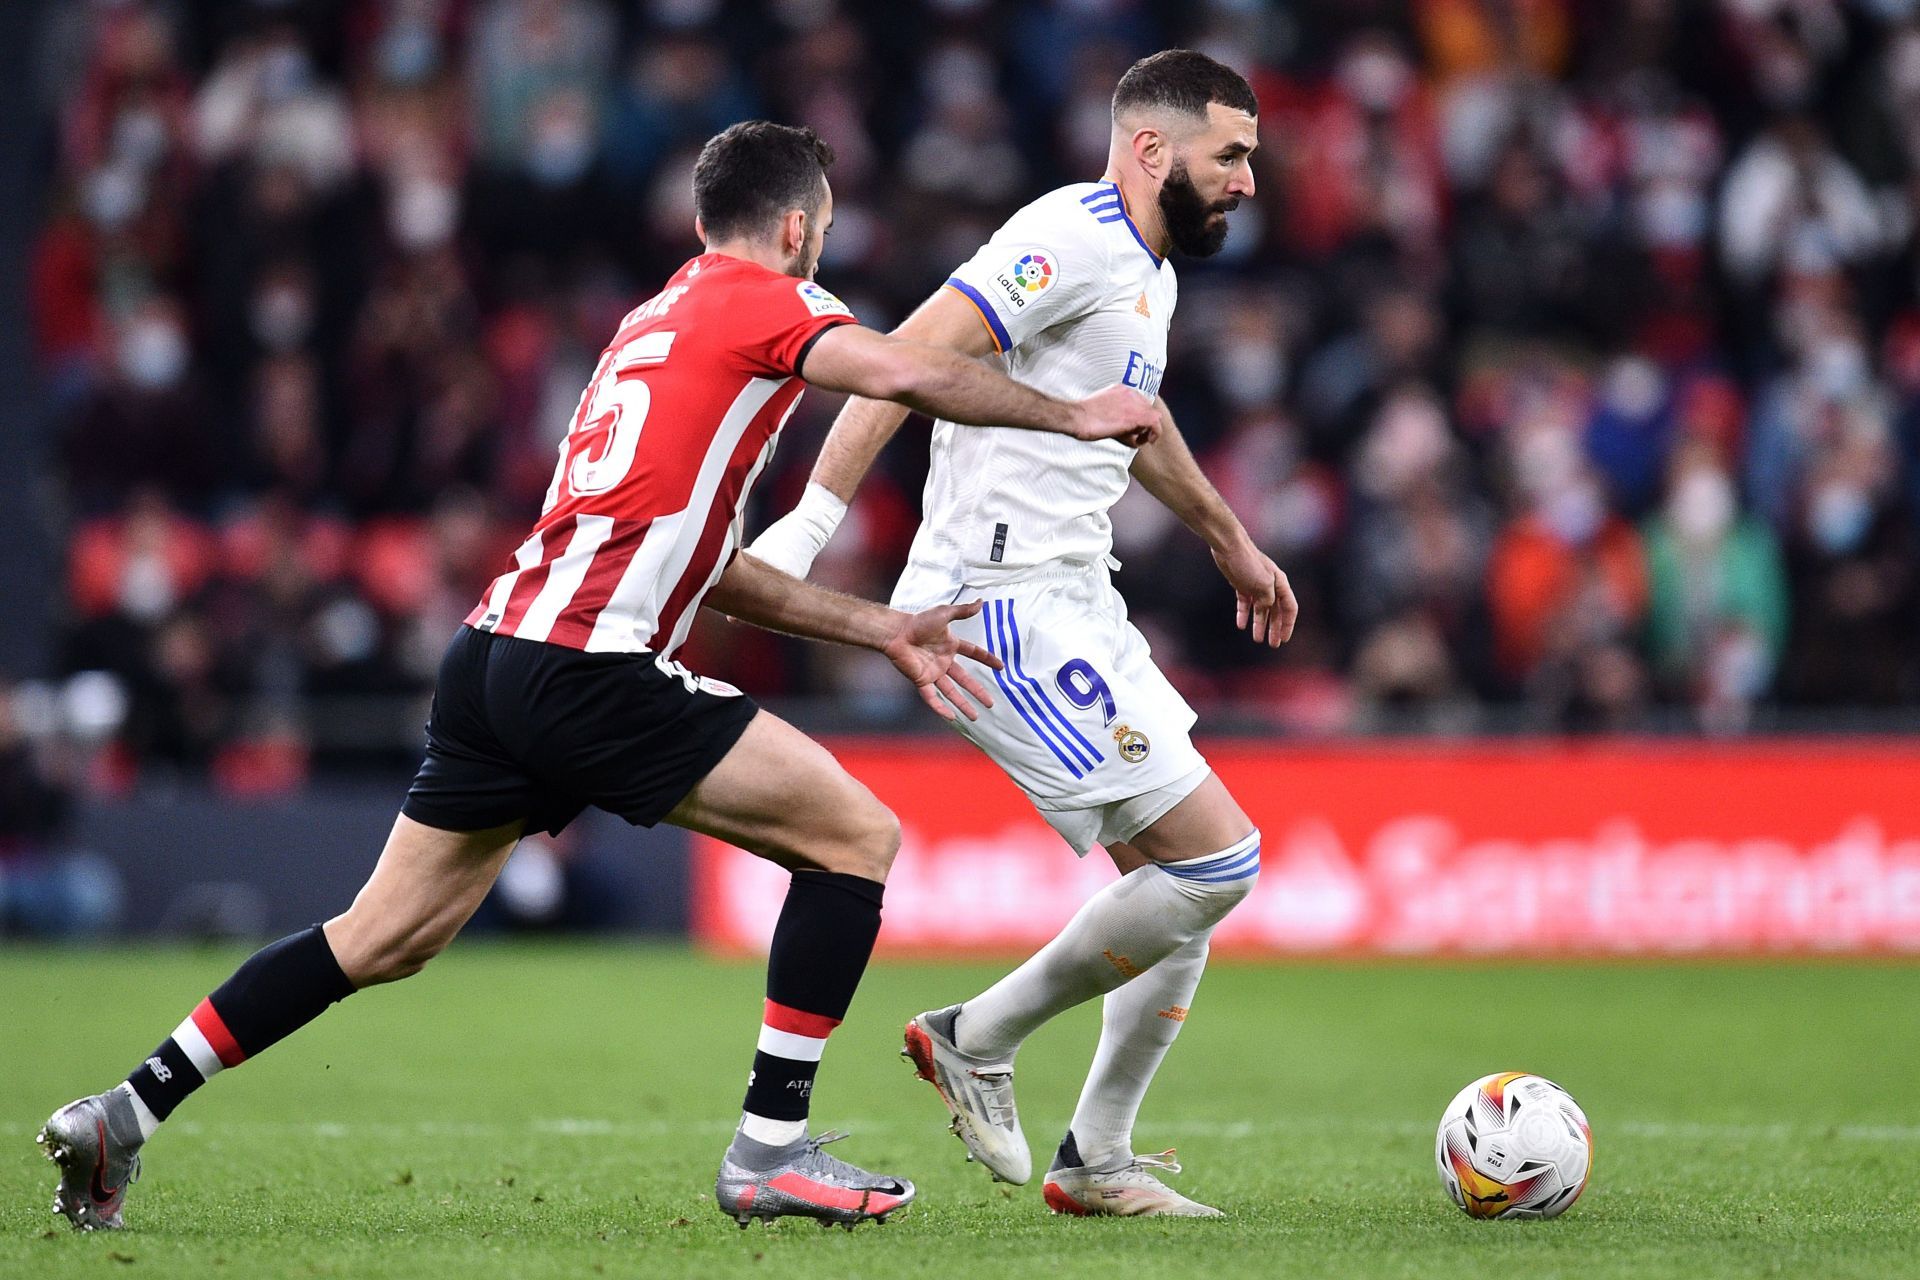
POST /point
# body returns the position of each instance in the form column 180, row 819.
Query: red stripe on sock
column 815, row 1025
column 225, row 1047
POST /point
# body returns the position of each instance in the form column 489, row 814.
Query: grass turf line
column 559, row 1111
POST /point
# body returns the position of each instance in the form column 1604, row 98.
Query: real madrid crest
column 1133, row 744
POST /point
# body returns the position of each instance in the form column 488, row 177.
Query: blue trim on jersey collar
column 1113, row 188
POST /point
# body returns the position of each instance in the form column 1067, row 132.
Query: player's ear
column 1150, row 151
column 699, row 229
column 793, row 233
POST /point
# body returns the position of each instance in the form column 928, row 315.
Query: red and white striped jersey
column 682, row 415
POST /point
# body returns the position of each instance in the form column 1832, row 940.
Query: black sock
column 820, row 949
column 280, row 989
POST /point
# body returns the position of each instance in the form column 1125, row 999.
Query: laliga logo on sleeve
column 1033, row 272
column 821, row 302
column 1026, row 278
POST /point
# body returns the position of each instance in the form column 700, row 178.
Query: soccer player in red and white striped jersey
column 561, row 691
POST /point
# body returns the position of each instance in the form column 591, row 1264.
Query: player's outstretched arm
column 945, row 384
column 931, row 362
column 921, row 645
column 864, row 426
column 859, row 433
column 1264, row 602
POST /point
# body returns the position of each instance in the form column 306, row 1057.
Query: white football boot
column 978, row 1091
column 1125, row 1189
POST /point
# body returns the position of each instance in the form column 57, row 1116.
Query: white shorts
column 1082, row 720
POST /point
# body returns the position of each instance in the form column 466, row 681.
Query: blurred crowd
column 1568, row 358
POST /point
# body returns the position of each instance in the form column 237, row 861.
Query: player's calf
column 1117, row 935
column 426, row 886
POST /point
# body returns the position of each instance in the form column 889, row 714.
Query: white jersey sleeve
column 1039, row 270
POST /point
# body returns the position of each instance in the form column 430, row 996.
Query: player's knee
column 872, row 841
column 1219, row 883
column 861, row 840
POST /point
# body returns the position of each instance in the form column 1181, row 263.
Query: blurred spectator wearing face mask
column 1343, row 382
column 1417, row 538
column 1851, row 558
column 1567, row 572
column 145, row 424
column 1825, row 394
column 1363, row 156
column 524, row 53
column 1525, row 266
column 46, row 886
column 1789, row 194
column 678, row 92
column 1718, row 606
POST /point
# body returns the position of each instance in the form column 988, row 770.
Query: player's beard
column 1196, row 227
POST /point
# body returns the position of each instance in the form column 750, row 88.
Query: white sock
column 775, row 1133
column 1138, row 1024
column 148, row 1121
column 1118, row 934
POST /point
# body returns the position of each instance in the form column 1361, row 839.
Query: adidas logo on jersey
column 1140, row 307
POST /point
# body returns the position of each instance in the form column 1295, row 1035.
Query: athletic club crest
column 1132, row 743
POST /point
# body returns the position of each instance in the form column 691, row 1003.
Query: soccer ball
column 1514, row 1145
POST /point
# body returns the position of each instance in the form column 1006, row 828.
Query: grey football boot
column 1128, row 1188
column 96, row 1142
column 978, row 1091
column 800, row 1180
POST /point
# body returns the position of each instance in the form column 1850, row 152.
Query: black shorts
column 525, row 729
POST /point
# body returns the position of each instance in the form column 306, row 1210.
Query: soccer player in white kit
column 1075, row 293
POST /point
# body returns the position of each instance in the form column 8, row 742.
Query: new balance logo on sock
column 159, row 1069
column 1174, row 1013
column 1127, row 968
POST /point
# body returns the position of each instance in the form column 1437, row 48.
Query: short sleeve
column 1032, row 275
column 787, row 316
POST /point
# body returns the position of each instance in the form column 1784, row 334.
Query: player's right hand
column 1117, row 413
column 925, row 649
column 1264, row 606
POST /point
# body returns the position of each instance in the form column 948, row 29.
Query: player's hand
column 1264, row 603
column 1117, row 413
column 925, row 651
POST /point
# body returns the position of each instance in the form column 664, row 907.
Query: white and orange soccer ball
column 1514, row 1145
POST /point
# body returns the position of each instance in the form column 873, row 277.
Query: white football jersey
column 1075, row 302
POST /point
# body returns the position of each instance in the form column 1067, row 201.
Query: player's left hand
column 1118, row 413
column 1264, row 603
column 924, row 649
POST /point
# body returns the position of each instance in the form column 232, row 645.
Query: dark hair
column 752, row 174
column 1185, row 81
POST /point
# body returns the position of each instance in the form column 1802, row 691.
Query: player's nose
column 1241, row 184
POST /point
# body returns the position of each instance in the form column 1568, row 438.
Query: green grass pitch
column 534, row 1111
